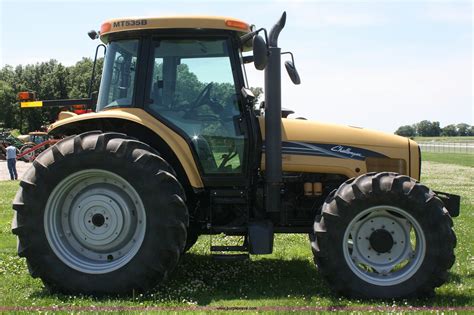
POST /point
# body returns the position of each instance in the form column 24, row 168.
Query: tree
column 79, row 77
column 50, row 80
column 427, row 128
column 449, row 131
column 8, row 112
column 463, row 129
column 406, row 131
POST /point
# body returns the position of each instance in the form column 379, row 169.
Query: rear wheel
column 385, row 236
column 27, row 157
column 98, row 214
column 192, row 237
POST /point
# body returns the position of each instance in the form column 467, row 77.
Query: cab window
column 118, row 76
column 192, row 87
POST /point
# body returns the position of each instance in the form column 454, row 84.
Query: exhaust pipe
column 273, row 164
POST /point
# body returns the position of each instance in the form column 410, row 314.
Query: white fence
column 447, row 147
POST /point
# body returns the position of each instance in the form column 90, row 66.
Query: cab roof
column 172, row 22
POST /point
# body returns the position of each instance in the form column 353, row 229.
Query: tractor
column 175, row 148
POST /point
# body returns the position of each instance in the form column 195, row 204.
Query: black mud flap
column 260, row 237
column 451, row 202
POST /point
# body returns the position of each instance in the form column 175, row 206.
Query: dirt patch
column 21, row 168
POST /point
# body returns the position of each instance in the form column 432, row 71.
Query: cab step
column 229, row 230
column 238, row 248
column 231, row 257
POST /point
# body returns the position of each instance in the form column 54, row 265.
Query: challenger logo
column 327, row 150
column 347, row 151
column 130, row 23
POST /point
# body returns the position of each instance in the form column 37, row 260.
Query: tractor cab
column 189, row 79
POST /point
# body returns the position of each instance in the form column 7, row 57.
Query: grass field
column 464, row 159
column 287, row 278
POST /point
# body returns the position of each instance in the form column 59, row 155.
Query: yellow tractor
column 176, row 149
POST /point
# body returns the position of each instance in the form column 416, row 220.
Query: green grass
column 287, row 278
column 464, row 159
column 444, row 139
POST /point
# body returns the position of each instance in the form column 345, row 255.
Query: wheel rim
column 95, row 221
column 30, row 156
column 384, row 245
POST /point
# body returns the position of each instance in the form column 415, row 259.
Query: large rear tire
column 192, row 237
column 384, row 236
column 100, row 213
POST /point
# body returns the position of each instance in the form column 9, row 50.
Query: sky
column 374, row 64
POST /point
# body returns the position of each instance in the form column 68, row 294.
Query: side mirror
column 260, row 52
column 93, row 34
column 292, row 72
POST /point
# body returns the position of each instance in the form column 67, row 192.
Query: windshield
column 118, row 77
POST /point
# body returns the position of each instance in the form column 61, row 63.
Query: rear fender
column 144, row 127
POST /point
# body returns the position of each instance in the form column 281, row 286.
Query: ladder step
column 230, row 257
column 229, row 201
column 228, row 248
column 229, row 229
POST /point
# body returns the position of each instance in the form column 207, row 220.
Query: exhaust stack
column 273, row 158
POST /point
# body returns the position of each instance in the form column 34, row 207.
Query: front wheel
column 385, row 236
column 100, row 213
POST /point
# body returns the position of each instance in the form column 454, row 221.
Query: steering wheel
column 204, row 98
column 204, row 95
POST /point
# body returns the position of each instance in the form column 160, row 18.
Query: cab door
column 194, row 88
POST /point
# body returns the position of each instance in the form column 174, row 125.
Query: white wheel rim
column 95, row 221
column 30, row 156
column 384, row 245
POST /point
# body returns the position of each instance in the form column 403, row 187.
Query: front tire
column 384, row 236
column 100, row 213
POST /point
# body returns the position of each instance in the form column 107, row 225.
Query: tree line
column 426, row 128
column 50, row 80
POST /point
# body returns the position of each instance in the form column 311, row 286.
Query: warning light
column 105, row 27
column 26, row 96
column 237, row 24
column 80, row 109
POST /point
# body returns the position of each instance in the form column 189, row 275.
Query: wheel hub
column 384, row 245
column 98, row 219
column 381, row 241
column 95, row 221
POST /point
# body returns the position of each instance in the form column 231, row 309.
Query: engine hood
column 311, row 146
column 312, row 131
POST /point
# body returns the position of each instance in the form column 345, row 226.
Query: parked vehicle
column 175, row 149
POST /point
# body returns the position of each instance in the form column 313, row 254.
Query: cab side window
column 193, row 88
